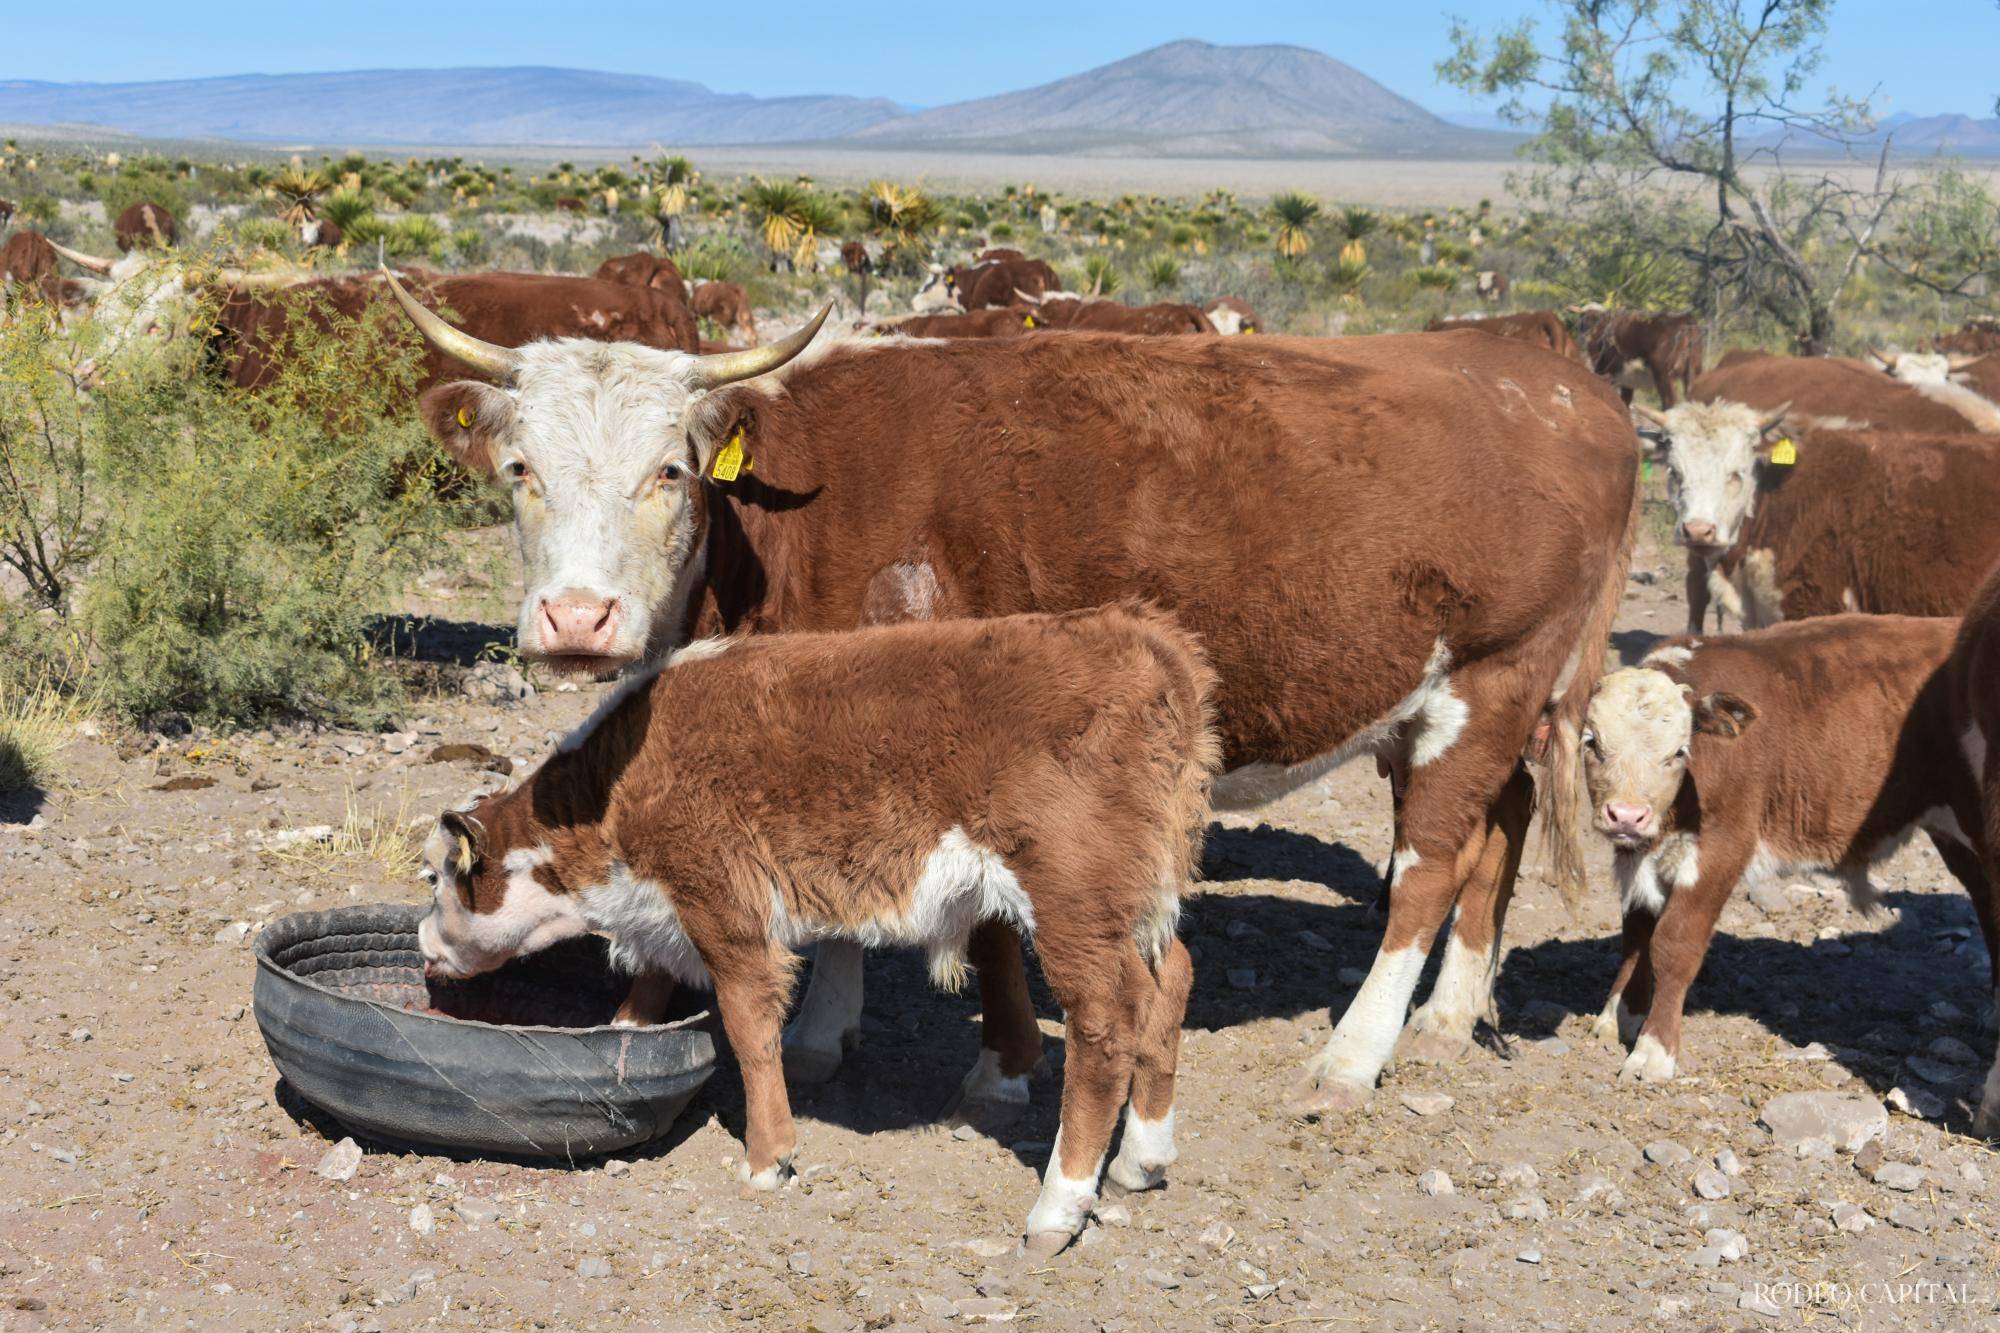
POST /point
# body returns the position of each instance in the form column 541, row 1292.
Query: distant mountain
column 529, row 105
column 1908, row 135
column 1193, row 99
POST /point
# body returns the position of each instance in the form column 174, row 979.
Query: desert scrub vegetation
column 215, row 552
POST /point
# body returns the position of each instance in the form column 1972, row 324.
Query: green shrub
column 265, row 234
column 1101, row 276
column 141, row 184
column 1163, row 272
column 48, row 522
column 1346, row 274
column 256, row 532
column 1435, row 277
column 342, row 207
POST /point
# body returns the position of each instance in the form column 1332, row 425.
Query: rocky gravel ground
column 1811, row 1164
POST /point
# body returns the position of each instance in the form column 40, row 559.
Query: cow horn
column 82, row 260
column 1655, row 417
column 720, row 368
column 244, row 280
column 502, row 363
column 1029, row 297
column 1888, row 359
column 1957, row 361
column 1774, row 418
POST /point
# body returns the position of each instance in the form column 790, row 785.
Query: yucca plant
column 817, row 216
column 902, row 217
column 1436, row 277
column 1346, row 272
column 774, row 212
column 1163, row 272
column 1357, row 223
column 342, row 207
column 298, row 190
column 1294, row 214
column 1101, row 276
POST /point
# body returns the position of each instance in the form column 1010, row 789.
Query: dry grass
column 37, row 720
column 376, row 836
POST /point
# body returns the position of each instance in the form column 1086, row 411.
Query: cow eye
column 515, row 469
column 430, row 876
column 1590, row 744
column 672, row 473
column 1680, row 756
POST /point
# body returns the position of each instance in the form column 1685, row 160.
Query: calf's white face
column 485, row 913
column 1712, row 453
column 1636, row 735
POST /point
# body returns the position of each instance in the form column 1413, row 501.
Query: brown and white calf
column 1816, row 746
column 893, row 785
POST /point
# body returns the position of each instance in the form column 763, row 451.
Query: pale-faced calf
column 1817, row 746
column 896, row 785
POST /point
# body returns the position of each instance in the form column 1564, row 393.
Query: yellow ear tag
column 1028, row 322
column 1784, row 453
column 729, row 462
column 466, row 418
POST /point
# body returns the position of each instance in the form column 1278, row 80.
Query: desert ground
column 154, row 1173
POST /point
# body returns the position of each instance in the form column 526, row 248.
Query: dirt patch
column 151, row 1173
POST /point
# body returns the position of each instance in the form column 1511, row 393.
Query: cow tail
column 1564, row 795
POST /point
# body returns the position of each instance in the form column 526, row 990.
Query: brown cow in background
column 978, row 286
column 6, row 213
column 1232, row 315
column 993, row 323
column 1623, row 344
column 145, row 226
column 1544, row 328
column 728, row 305
column 1113, row 317
column 1976, row 337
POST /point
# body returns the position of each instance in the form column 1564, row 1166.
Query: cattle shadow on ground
column 19, row 807
column 462, row 643
column 1869, row 1007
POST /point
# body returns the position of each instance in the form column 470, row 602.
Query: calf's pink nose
column 1700, row 532
column 1635, row 818
column 577, row 624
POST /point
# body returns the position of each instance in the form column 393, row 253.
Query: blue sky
column 1924, row 55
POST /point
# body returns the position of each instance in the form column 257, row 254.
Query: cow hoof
column 1437, row 1047
column 1325, row 1097
column 1604, row 1030
column 988, row 1099
column 1123, row 1177
column 1649, row 1062
column 1047, row 1244
column 810, row 1061
column 772, row 1177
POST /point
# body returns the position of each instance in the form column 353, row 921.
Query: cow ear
column 1773, row 419
column 465, row 837
column 471, row 420
column 1724, row 715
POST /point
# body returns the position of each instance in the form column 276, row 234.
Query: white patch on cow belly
column 1678, row 655
column 1427, row 719
column 645, row 930
column 961, row 885
column 1943, row 821
column 914, row 587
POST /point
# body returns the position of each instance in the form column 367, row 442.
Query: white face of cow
column 1712, row 453
column 483, row 913
column 1636, row 735
column 592, row 440
column 937, row 294
column 1922, row 368
column 1227, row 322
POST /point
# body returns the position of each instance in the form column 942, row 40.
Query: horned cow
column 1422, row 611
column 1543, row 328
column 145, row 225
column 1818, row 746
column 1046, row 771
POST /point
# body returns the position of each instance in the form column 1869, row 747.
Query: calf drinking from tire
column 896, row 785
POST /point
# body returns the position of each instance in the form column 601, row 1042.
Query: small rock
column 615, row 1166
column 1553, row 1046
column 1899, row 1176
column 1217, row 1237
column 1315, row 941
column 1916, row 1103
column 1351, row 976
column 1665, row 1152
column 800, row 1262
column 1242, row 978
column 1520, row 1175
column 1429, row 1103
column 1852, row 1218
column 1731, row 1244
column 1756, row 1304
column 1529, row 1208
column 1869, row 1158
column 1711, row 1184
column 233, row 933
column 595, row 1265
column 989, row 1247
column 1726, row 1163
column 1706, row 1257
column 1842, row 1119
column 1971, row 1174
column 1953, row 1051
column 1673, row 1307
column 1531, row 1255
column 1599, row 1187
column 1164, row 1281
column 1934, row 1071
column 186, row 782
column 1769, row 898
column 498, row 682
column 1909, row 1218
column 1945, row 1011
column 988, row 1309
column 422, row 1220
column 471, row 754
column 1435, row 1183
column 1812, row 1050
column 80, row 1035
column 477, row 1211
column 340, row 1161
column 1114, row 1215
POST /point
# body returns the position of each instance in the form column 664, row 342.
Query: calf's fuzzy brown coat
column 899, row 784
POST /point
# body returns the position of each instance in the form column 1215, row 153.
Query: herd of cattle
column 1198, row 571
